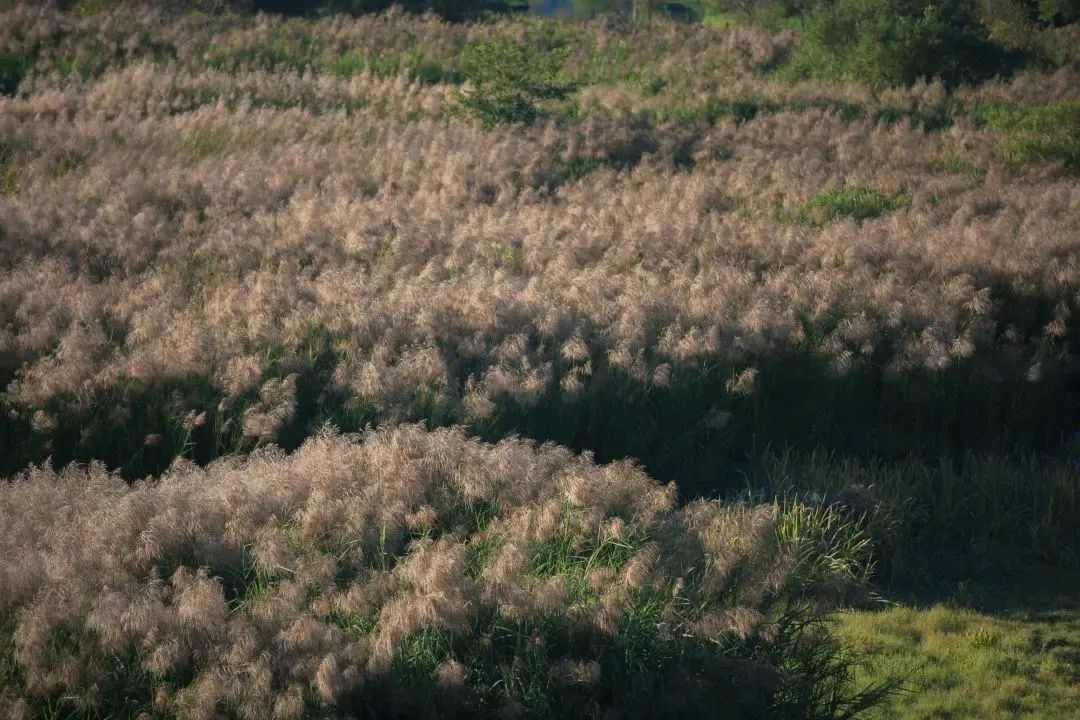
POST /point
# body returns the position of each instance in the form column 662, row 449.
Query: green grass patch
column 830, row 543
column 858, row 202
column 207, row 142
column 287, row 50
column 960, row 166
column 246, row 581
column 962, row 662
column 388, row 64
column 1044, row 133
column 719, row 19
column 68, row 161
column 564, row 554
column 355, row 624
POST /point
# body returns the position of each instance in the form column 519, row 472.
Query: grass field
column 1008, row 651
column 385, row 366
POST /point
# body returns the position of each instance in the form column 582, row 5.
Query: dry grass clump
column 407, row 573
column 216, row 206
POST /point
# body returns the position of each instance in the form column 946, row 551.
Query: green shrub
column 931, row 119
column 886, row 43
column 831, row 544
column 510, row 78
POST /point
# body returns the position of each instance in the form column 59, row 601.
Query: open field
column 252, row 269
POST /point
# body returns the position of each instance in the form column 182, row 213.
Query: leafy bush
column 893, row 42
column 510, row 77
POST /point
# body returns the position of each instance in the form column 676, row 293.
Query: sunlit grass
column 1005, row 662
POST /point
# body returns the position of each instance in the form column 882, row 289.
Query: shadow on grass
column 699, row 434
column 135, row 427
column 925, row 443
column 1034, row 591
column 695, row 431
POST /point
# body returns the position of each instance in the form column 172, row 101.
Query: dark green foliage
column 644, row 674
column 1059, row 11
column 798, row 8
column 930, row 520
column 931, row 119
column 885, row 43
column 958, row 165
column 511, row 77
column 907, row 423
column 13, row 66
column 714, row 109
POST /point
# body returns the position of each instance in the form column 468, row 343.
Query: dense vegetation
column 825, row 292
column 412, row 574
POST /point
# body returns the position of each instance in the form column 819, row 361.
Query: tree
column 1059, row 12
column 509, row 78
column 892, row 42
